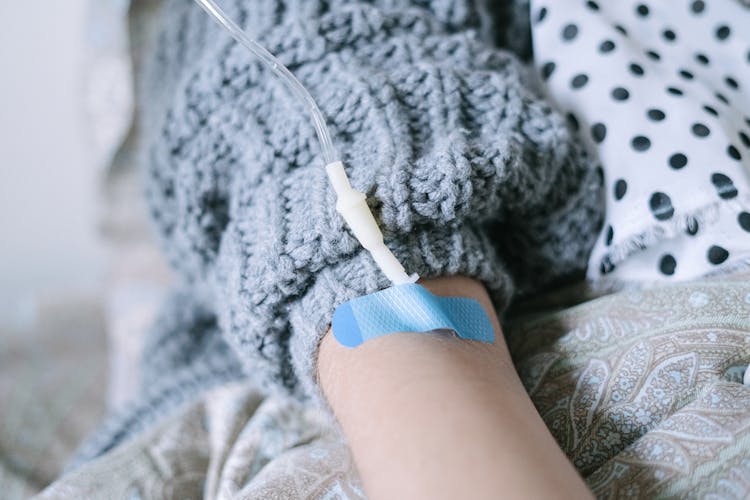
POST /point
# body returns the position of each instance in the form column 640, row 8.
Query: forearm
column 434, row 416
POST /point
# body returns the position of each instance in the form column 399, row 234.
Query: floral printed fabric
column 641, row 389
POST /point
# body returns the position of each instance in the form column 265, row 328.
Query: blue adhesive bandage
column 409, row 308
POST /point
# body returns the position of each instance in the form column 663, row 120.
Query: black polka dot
column 640, row 143
column 711, row 111
column 541, row 15
column 717, row 255
column 579, row 81
column 744, row 221
column 661, row 206
column 687, row 75
column 569, row 32
column 698, row 6
column 723, row 32
column 700, row 130
column 653, row 55
column 642, row 10
column 747, row 121
column 620, row 94
column 724, row 186
column 592, row 5
column 731, row 82
column 734, row 153
column 636, row 69
column 745, row 139
column 656, row 115
column 610, row 235
column 598, row 132
column 621, row 187
column 674, row 91
column 547, row 70
column 678, row 161
column 606, row 266
column 702, row 59
column 692, row 226
column 621, row 29
column 573, row 121
column 667, row 264
column 669, row 35
column 606, row 46
column 722, row 97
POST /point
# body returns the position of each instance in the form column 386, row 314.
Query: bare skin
column 432, row 416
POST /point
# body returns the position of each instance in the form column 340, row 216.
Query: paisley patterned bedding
column 643, row 391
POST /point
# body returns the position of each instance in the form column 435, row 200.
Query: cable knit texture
column 467, row 169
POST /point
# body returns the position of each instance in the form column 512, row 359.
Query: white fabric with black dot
column 661, row 92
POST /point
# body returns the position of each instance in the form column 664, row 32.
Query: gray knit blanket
column 437, row 118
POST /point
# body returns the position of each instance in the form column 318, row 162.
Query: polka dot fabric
column 660, row 90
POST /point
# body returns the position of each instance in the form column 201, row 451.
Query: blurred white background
column 48, row 174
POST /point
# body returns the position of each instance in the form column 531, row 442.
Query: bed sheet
column 642, row 390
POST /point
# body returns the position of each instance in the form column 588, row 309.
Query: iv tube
column 350, row 203
column 286, row 76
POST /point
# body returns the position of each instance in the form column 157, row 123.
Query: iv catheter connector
column 351, row 203
column 352, row 206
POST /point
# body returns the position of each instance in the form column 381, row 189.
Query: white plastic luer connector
column 352, row 206
column 351, row 203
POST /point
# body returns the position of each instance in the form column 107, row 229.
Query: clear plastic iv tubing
column 350, row 203
column 286, row 76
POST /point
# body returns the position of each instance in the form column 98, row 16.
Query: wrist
column 436, row 416
column 375, row 357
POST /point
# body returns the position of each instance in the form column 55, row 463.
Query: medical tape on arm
column 409, row 308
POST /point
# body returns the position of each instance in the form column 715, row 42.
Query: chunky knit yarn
column 467, row 168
